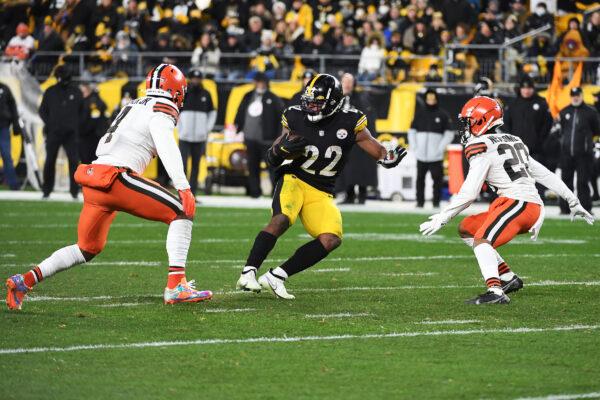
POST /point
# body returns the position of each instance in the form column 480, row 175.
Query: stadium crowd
column 381, row 41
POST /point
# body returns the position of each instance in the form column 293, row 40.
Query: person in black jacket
column 429, row 134
column 578, row 124
column 61, row 110
column 9, row 115
column 361, row 169
column 529, row 118
column 258, row 117
column 93, row 123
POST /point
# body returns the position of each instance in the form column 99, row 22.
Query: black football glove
column 393, row 157
column 287, row 148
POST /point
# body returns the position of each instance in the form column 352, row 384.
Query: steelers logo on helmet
column 322, row 97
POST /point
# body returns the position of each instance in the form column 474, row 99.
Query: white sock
column 249, row 268
column 60, row 260
column 488, row 264
column 280, row 272
column 508, row 275
column 178, row 242
column 468, row 241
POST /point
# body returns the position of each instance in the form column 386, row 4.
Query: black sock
column 305, row 257
column 263, row 244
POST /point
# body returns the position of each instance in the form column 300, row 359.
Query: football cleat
column 248, row 281
column 16, row 292
column 276, row 285
column 490, row 297
column 512, row 285
column 185, row 292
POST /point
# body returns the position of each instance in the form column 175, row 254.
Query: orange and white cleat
column 16, row 292
column 186, row 292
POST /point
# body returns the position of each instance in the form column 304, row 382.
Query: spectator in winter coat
column 578, row 124
column 9, row 115
column 429, row 134
column 196, row 121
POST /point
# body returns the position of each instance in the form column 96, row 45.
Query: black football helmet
column 322, row 97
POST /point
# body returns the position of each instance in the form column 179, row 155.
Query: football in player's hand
column 292, row 145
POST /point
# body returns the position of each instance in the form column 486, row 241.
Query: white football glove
column 537, row 227
column 578, row 210
column 435, row 223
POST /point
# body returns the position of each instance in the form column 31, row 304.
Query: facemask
column 539, row 11
column 260, row 90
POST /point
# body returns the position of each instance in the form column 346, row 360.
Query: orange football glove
column 188, row 201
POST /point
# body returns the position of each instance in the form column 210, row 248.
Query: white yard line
column 339, row 315
column 229, row 310
column 593, row 395
column 449, row 322
column 410, row 274
column 331, row 270
column 124, row 304
column 7, row 255
column 317, row 290
column 332, row 259
column 204, row 342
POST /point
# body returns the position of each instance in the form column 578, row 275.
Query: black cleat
column 489, row 297
column 512, row 285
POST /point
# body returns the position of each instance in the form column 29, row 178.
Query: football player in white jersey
column 503, row 161
column 142, row 130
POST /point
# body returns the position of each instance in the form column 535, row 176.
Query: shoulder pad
column 166, row 108
column 474, row 149
column 286, row 113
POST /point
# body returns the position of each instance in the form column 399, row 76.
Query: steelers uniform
column 306, row 184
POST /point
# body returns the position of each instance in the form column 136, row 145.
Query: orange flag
column 558, row 96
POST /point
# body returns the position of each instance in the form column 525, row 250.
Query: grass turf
column 384, row 279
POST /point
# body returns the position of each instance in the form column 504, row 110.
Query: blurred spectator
column 76, row 13
column 106, row 14
column 418, row 39
column 316, row 47
column 61, row 111
column 93, row 123
column 511, row 30
column 123, row 53
column 541, row 46
column 409, row 20
column 539, row 18
column 232, row 67
column 48, row 40
column 252, row 37
column 308, row 75
column 206, row 56
column 9, row 115
column 533, row 129
column 162, row 45
column 21, row 45
column 279, row 10
column 457, row 11
column 591, row 32
column 360, row 170
column 259, row 118
column 350, row 50
column 579, row 123
column 264, row 58
column 487, row 57
column 196, row 121
column 398, row 67
column 518, row 9
column 371, row 60
column 429, row 134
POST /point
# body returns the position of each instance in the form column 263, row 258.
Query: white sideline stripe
column 409, row 274
column 449, row 322
column 333, row 259
column 229, row 310
column 592, row 395
column 340, row 315
column 331, row 270
column 315, row 290
column 203, row 342
column 124, row 304
column 7, row 255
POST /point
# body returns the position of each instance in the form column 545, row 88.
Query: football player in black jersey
column 309, row 155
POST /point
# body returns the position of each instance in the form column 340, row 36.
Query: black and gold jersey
column 329, row 143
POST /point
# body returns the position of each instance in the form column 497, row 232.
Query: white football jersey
column 142, row 130
column 508, row 165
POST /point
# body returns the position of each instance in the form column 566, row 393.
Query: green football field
column 382, row 317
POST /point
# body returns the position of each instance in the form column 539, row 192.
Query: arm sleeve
column 478, row 170
column 545, row 177
column 412, row 139
column 14, row 112
column 446, row 139
column 161, row 129
column 44, row 108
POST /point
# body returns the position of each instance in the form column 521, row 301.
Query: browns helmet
column 166, row 80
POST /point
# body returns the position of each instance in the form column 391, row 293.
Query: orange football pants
column 130, row 193
column 505, row 219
